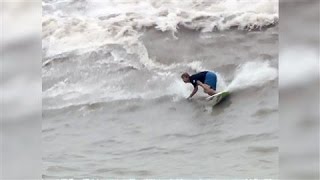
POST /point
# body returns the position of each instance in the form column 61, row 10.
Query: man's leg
column 207, row 89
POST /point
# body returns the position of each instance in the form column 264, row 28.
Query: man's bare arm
column 193, row 92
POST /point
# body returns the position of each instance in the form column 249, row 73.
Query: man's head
column 185, row 77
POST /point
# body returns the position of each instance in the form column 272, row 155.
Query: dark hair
column 185, row 75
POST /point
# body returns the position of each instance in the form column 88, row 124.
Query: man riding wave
column 206, row 79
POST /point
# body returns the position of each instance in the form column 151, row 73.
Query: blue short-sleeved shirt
column 201, row 76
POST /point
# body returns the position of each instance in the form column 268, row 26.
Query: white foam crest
column 102, row 22
column 139, row 49
column 249, row 21
column 252, row 74
column 65, row 35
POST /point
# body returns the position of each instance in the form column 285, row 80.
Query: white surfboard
column 216, row 98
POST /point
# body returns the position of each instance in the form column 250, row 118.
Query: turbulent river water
column 114, row 104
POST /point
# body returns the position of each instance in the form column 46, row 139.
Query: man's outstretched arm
column 193, row 92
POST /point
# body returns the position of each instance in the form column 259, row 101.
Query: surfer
column 206, row 79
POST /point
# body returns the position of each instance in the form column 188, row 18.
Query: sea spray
column 179, row 89
column 252, row 74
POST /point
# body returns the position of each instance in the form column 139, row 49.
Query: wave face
column 112, row 90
